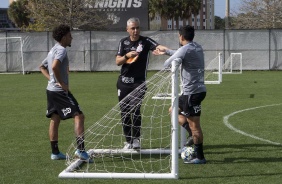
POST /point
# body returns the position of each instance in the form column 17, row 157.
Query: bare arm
column 44, row 71
column 120, row 60
column 56, row 70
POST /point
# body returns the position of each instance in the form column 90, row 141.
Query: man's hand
column 133, row 55
column 160, row 50
column 64, row 86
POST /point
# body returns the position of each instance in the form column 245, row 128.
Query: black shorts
column 124, row 89
column 62, row 103
column 190, row 105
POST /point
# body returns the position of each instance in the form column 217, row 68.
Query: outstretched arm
column 180, row 53
column 162, row 50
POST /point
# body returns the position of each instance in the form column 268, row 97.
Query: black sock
column 186, row 126
column 199, row 151
column 80, row 143
column 55, row 147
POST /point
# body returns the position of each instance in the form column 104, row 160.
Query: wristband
column 126, row 57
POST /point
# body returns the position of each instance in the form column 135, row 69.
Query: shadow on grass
column 234, row 175
column 252, row 153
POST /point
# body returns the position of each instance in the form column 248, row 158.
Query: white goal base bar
column 212, row 82
column 130, row 151
column 69, row 171
column 118, row 175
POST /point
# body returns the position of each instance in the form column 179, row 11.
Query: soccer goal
column 233, row 65
column 11, row 55
column 213, row 70
column 159, row 153
column 213, row 75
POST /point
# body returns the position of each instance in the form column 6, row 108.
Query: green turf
column 232, row 157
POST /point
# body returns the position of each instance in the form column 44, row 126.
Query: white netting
column 213, row 71
column 233, row 65
column 105, row 139
column 12, row 60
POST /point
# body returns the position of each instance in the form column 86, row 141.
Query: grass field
column 250, row 102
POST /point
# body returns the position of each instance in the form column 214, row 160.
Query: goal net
column 11, row 55
column 233, row 65
column 213, row 70
column 159, row 153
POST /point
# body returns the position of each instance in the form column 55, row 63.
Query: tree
column 219, row 23
column 157, row 7
column 259, row 14
column 174, row 10
column 189, row 8
column 75, row 13
column 18, row 13
column 182, row 9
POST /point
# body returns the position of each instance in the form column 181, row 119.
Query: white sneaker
column 127, row 145
column 136, row 144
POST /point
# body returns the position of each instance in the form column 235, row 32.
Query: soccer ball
column 187, row 153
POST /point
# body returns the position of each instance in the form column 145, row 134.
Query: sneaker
column 189, row 141
column 82, row 155
column 59, row 156
column 136, row 144
column 127, row 145
column 195, row 161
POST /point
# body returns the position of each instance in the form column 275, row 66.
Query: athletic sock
column 80, row 143
column 186, row 126
column 199, row 151
column 55, row 147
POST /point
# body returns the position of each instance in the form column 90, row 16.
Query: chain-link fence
column 96, row 51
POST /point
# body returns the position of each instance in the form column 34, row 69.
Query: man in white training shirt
column 194, row 89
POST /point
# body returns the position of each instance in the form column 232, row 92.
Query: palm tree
column 174, row 10
column 190, row 8
column 158, row 7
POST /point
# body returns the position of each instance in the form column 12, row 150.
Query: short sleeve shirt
column 138, row 69
column 57, row 52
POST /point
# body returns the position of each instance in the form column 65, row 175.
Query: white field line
column 225, row 120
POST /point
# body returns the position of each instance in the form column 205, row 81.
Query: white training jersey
column 192, row 67
column 57, row 52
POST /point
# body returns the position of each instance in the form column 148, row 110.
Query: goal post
column 213, row 70
column 213, row 75
column 11, row 54
column 234, row 64
column 159, row 154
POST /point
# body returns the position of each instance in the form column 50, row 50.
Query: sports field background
column 254, row 98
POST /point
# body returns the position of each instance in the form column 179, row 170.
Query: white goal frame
column 229, row 64
column 174, row 151
column 21, row 51
column 216, row 69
